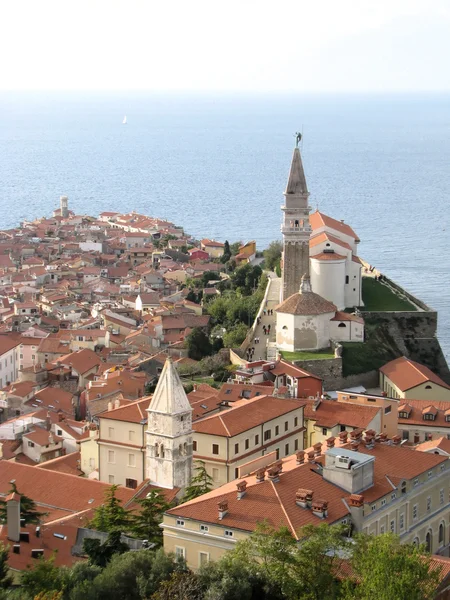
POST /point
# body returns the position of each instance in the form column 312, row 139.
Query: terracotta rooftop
column 318, row 220
column 306, row 303
column 406, row 374
column 133, row 412
column 330, row 413
column 441, row 443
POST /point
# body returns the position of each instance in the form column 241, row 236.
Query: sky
column 237, row 45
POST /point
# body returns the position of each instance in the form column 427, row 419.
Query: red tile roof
column 330, row 413
column 406, row 374
column 318, row 219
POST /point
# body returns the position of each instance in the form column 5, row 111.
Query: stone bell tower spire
column 296, row 228
column 169, row 432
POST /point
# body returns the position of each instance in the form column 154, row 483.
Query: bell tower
column 296, row 229
column 169, row 432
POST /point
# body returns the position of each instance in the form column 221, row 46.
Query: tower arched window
column 185, row 449
column 441, row 534
column 161, row 451
column 156, row 449
column 428, row 542
column 180, row 449
column 342, row 325
column 403, row 487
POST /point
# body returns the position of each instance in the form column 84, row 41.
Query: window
column 347, row 279
column 204, row 528
column 405, row 435
column 277, row 453
column 393, row 496
column 21, row 355
column 428, row 437
column 180, row 523
column 111, row 479
column 324, row 431
column 236, row 473
column 382, row 529
column 228, row 533
column 30, row 444
column 59, row 432
column 392, row 526
column 267, row 435
column 180, row 552
column 428, row 503
column 441, row 496
column 387, row 410
column 415, row 512
column 295, row 445
column 373, row 507
column 111, row 456
column 215, row 474
column 286, row 425
column 430, row 474
column 342, row 325
column 342, row 428
column 256, row 440
column 131, row 460
column 428, row 387
column 383, row 502
column 428, row 417
column 247, row 444
column 131, row 483
column 441, row 534
column 403, row 415
column 110, row 432
column 194, row 446
column 131, row 436
column 296, row 422
column 277, row 430
column 402, row 521
column 447, row 418
column 416, row 482
column 442, row 467
column 215, row 448
column 286, row 450
column 203, row 558
column 236, row 448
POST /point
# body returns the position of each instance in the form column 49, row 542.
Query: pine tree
column 200, row 484
column 146, row 522
column 27, row 508
column 111, row 516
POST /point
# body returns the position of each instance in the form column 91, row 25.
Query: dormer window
column 403, row 415
column 447, row 418
column 428, row 417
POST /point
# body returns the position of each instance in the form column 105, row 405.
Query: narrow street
column 273, row 300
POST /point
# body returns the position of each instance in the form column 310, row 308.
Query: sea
column 217, row 164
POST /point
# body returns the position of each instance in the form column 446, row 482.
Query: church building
column 321, row 273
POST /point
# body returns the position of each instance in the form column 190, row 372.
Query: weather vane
column 298, row 137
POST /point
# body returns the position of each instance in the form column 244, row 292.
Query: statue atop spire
column 298, row 138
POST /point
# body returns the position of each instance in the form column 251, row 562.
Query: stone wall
column 330, row 371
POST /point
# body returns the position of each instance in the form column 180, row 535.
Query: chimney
column 381, row 438
column 300, row 456
column 48, row 422
column 356, row 435
column 279, row 465
column 117, row 403
column 316, row 402
column 317, row 449
column 60, row 416
column 274, row 474
column 343, row 437
column 311, row 455
column 303, row 498
column 320, row 508
column 356, row 500
column 260, row 474
column 222, row 505
column 330, row 442
column 396, row 439
column 354, row 446
column 241, row 489
column 13, row 516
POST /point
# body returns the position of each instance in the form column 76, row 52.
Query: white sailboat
column 124, row 122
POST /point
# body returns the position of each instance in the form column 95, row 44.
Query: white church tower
column 169, row 432
column 64, row 207
column 296, row 228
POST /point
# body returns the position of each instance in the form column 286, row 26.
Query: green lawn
column 320, row 355
column 378, row 297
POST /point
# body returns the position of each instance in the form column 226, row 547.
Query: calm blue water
column 218, row 166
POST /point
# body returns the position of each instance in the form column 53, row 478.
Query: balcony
column 295, row 229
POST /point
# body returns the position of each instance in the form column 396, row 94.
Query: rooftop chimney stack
column 13, row 516
column 274, row 474
column 260, row 475
column 396, row 439
column 223, row 508
column 343, row 437
column 320, row 508
column 330, row 442
column 317, row 449
column 354, row 446
column 300, row 457
column 356, row 500
column 304, row 498
column 311, row 455
column 241, row 489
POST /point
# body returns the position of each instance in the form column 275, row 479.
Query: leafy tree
column 27, row 508
column 146, row 522
column 42, row 577
column 182, row 585
column 49, row 596
column 198, row 344
column 384, row 568
column 235, row 336
column 246, row 278
column 217, row 344
column 235, row 248
column 100, row 554
column 111, row 516
column 200, row 484
column 5, row 576
column 272, row 255
column 226, row 252
column 129, row 576
column 209, row 276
